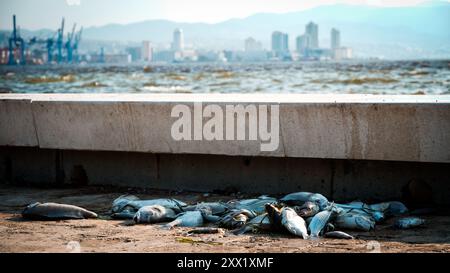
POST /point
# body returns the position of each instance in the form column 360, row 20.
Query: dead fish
column 299, row 198
column 338, row 235
column 293, row 223
column 207, row 214
column 154, row 214
column 396, row 208
column 319, row 222
column 378, row 216
column 236, row 218
column 329, row 227
column 308, row 209
column 206, row 230
column 258, row 223
column 216, row 208
column 274, row 215
column 187, row 219
column 54, row 211
column 256, row 205
column 379, row 206
column 130, row 201
column 376, row 211
column 409, row 222
column 354, row 221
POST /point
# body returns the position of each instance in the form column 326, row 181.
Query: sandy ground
column 102, row 235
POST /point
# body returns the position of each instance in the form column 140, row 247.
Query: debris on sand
column 206, row 230
column 192, row 241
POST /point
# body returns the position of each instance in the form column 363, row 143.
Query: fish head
column 30, row 206
column 378, row 216
column 308, row 209
column 274, row 215
column 239, row 220
column 148, row 214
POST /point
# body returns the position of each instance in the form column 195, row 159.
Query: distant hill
column 400, row 32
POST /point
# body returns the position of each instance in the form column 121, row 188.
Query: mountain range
column 421, row 31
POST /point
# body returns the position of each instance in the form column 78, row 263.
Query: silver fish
column 356, row 221
column 260, row 222
column 293, row 223
column 338, row 235
column 274, row 214
column 130, row 201
column 396, row 208
column 376, row 212
column 308, row 209
column 236, row 218
column 379, row 206
column 153, row 214
column 207, row 214
column 319, row 221
column 256, row 205
column 409, row 222
column 187, row 219
column 55, row 211
column 216, row 208
column 299, row 198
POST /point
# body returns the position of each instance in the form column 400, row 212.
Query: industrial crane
column 59, row 41
column 75, row 45
column 69, row 46
column 15, row 41
column 50, row 43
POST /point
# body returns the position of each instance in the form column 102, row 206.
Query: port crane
column 69, row 46
column 75, row 45
column 66, row 51
column 59, row 42
column 14, row 42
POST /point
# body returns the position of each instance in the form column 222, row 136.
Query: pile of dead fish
column 303, row 214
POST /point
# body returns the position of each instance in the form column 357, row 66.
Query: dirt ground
column 104, row 235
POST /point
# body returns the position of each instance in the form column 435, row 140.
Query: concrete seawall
column 346, row 146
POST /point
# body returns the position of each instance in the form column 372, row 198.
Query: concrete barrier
column 399, row 128
column 344, row 146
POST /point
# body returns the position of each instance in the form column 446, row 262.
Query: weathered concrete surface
column 398, row 128
column 346, row 147
column 340, row 180
column 16, row 123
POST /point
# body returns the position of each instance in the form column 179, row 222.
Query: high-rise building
column 135, row 53
column 335, row 38
column 178, row 40
column 303, row 42
column 313, row 31
column 147, row 51
column 280, row 42
column 252, row 45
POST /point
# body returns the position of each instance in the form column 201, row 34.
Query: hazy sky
column 36, row 14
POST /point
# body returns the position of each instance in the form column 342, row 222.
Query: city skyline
column 372, row 32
